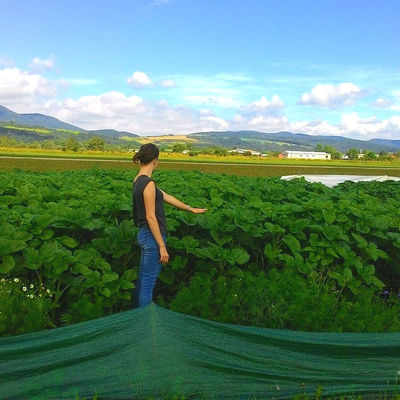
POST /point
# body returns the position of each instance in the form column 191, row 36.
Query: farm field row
column 63, row 164
column 171, row 157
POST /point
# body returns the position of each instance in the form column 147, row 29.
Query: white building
column 309, row 155
column 242, row 151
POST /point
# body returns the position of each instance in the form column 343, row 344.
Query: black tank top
column 138, row 209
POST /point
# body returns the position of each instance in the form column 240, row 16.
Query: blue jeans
column 149, row 268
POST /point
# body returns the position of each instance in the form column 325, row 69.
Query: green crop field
column 326, row 253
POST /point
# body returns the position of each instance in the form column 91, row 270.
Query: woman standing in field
column 148, row 215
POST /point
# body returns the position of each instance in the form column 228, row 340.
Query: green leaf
column 7, row 265
column 217, row 202
column 81, row 269
column 126, row 285
column 32, row 258
column 347, row 273
column 220, row 240
column 109, row 277
column 9, row 246
column 47, row 234
column 92, row 280
column 360, row 240
column 271, row 253
column 105, row 291
column 292, row 242
column 129, row 274
column 44, row 220
column 235, row 271
column 329, row 216
column 240, row 256
column 377, row 282
column 67, row 241
column 167, row 276
column 178, row 262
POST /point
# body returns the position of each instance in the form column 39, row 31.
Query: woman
column 148, row 215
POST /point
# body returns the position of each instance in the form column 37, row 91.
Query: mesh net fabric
column 153, row 351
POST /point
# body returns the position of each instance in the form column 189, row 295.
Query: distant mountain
column 25, row 125
column 45, row 121
column 48, row 122
column 282, row 141
column 7, row 115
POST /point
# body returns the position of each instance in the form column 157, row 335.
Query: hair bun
column 147, row 153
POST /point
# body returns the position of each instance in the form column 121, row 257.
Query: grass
column 35, row 164
column 300, row 396
column 43, row 131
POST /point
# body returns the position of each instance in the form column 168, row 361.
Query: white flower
column 3, row 280
column 24, row 288
column 48, row 291
column 16, row 280
column 31, row 296
column 31, row 286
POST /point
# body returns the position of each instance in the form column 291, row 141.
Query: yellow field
column 150, row 139
column 201, row 158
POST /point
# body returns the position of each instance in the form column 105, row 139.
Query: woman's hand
column 164, row 256
column 197, row 210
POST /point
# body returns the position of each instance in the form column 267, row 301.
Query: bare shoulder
column 150, row 187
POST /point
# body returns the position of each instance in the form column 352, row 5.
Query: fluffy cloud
column 139, row 79
column 114, row 110
column 383, row 103
column 263, row 107
column 168, row 83
column 23, row 91
column 342, row 95
column 264, row 115
column 353, row 126
column 41, row 65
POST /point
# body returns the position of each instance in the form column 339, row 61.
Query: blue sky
column 180, row 66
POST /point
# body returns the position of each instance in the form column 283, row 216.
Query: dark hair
column 147, row 153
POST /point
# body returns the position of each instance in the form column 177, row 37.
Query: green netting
column 152, row 352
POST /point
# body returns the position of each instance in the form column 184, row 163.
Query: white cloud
column 117, row 111
column 168, row 83
column 6, row 62
column 139, row 79
column 342, row 95
column 353, row 126
column 263, row 106
column 382, row 103
column 23, row 91
column 41, row 65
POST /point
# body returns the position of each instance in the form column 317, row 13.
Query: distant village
column 292, row 154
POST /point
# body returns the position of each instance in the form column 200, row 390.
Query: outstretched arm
column 178, row 204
